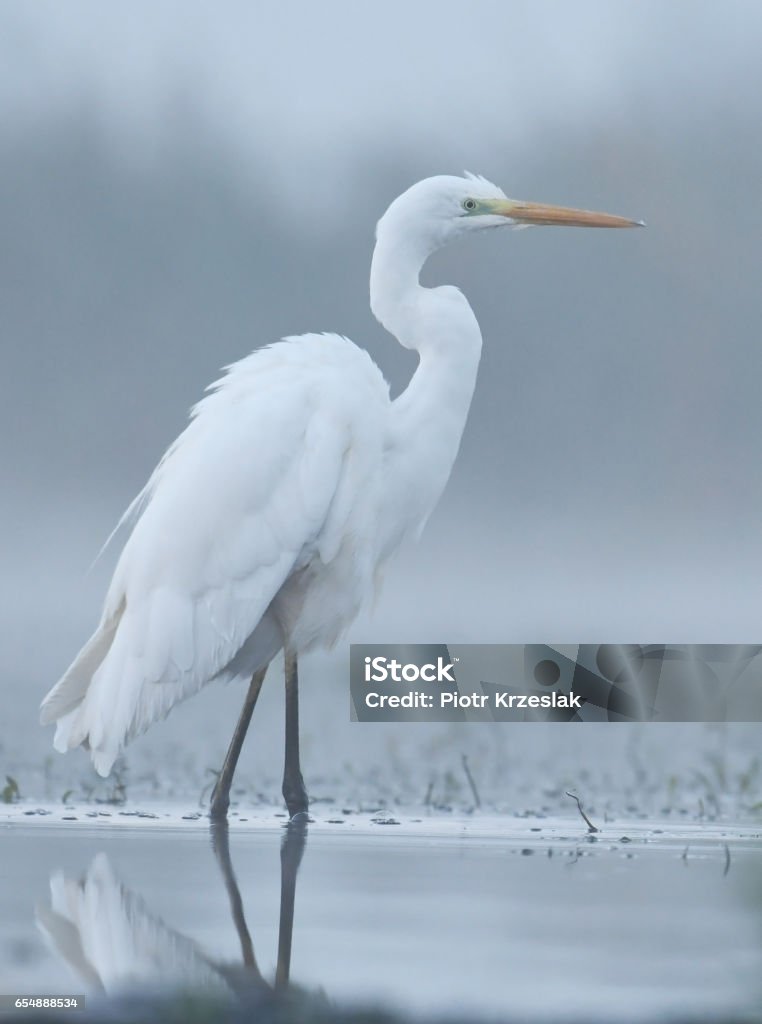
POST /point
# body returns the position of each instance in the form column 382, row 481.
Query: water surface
column 527, row 918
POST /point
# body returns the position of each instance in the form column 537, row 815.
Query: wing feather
column 255, row 487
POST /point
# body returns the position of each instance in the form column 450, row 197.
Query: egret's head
column 437, row 209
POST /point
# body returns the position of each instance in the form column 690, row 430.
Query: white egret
column 264, row 524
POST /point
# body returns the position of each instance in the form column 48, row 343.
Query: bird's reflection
column 115, row 944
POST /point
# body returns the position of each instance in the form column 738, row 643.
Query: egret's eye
column 469, row 205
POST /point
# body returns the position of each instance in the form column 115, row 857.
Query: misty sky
column 309, row 92
column 182, row 182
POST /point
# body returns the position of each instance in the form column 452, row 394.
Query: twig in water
column 470, row 778
column 727, row 860
column 590, row 826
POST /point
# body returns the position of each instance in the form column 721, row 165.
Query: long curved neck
column 428, row 418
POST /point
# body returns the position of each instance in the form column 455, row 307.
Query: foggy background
column 180, row 183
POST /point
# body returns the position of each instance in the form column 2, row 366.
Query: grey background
column 180, row 183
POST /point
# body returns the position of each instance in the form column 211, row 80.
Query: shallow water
column 485, row 916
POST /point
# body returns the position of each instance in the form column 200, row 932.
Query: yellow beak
column 541, row 213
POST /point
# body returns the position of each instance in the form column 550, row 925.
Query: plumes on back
column 271, row 485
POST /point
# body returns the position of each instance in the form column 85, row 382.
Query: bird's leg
column 291, row 852
column 294, row 792
column 220, row 802
column 221, row 847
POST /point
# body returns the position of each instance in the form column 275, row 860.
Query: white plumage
column 265, row 499
column 264, row 524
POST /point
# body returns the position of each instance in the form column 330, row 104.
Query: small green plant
column 10, row 794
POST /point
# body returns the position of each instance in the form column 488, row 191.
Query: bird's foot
column 295, row 795
column 218, row 805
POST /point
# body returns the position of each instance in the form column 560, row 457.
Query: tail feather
column 70, row 690
column 115, row 689
column 67, row 734
column 141, row 661
column 101, row 719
